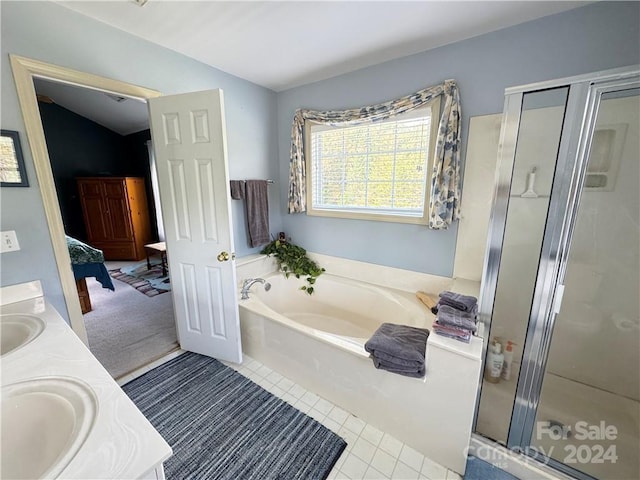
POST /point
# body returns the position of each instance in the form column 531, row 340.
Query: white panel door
column 189, row 139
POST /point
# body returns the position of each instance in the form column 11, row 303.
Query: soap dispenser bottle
column 493, row 365
column 508, row 358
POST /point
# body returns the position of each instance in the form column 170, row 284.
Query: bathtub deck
column 370, row 453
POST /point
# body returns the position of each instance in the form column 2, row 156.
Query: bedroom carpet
column 221, row 425
column 127, row 330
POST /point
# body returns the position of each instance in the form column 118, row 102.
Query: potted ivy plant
column 293, row 260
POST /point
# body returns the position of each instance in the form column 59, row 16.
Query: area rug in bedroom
column 221, row 425
column 150, row 282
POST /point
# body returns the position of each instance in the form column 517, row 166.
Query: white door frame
column 24, row 71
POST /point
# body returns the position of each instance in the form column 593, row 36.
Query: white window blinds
column 379, row 168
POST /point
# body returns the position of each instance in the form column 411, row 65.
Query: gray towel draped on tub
column 257, row 204
column 399, row 349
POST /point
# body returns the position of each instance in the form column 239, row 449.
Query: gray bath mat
column 221, row 425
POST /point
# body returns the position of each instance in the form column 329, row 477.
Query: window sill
column 424, row 220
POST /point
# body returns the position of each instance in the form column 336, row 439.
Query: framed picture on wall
column 12, row 171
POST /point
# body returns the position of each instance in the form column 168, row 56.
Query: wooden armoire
column 116, row 215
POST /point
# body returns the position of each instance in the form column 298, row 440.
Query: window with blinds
column 376, row 171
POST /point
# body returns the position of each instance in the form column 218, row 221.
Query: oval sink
column 18, row 330
column 45, row 421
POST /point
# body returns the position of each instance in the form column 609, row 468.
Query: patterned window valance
column 444, row 202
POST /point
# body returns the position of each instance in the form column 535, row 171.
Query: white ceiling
column 282, row 44
column 125, row 117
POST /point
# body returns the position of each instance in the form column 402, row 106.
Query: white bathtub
column 341, row 311
column 318, row 341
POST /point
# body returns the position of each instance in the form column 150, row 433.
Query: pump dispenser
column 508, row 358
column 493, row 365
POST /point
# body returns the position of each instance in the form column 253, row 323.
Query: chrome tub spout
column 246, row 285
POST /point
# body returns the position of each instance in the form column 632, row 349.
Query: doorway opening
column 124, row 328
column 98, row 141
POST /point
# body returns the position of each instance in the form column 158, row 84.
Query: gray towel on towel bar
column 237, row 189
column 257, row 204
column 464, row 303
column 399, row 349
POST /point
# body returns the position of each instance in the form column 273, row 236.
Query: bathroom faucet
column 246, row 285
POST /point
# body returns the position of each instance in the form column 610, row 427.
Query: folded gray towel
column 399, row 349
column 407, row 372
column 398, row 362
column 257, row 203
column 400, row 341
column 237, row 189
column 455, row 318
column 457, row 300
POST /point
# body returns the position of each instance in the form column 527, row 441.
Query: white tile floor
column 370, row 453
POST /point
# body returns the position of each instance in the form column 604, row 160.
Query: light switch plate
column 9, row 242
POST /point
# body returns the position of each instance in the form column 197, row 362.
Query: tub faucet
column 246, row 285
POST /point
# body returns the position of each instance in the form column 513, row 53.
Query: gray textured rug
column 127, row 330
column 221, row 425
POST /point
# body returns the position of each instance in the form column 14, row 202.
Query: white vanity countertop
column 122, row 443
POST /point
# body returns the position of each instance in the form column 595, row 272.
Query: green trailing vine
column 293, row 260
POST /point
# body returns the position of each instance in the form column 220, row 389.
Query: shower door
column 527, row 192
column 588, row 415
column 561, row 278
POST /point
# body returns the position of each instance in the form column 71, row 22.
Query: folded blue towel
column 455, row 318
column 464, row 303
column 399, row 349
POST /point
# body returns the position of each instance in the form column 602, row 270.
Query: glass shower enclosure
column 561, row 281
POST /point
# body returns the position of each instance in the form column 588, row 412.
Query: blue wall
column 54, row 34
column 596, row 37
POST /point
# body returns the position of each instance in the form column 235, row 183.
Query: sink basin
column 45, row 421
column 18, row 330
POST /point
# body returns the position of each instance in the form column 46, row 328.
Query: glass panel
column 389, row 161
column 539, row 135
column 589, row 411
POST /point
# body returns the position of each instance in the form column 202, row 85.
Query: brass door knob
column 223, row 256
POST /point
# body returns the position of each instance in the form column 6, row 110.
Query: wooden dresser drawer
column 118, row 250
